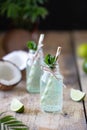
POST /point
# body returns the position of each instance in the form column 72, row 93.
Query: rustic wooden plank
column 79, row 38
column 54, row 39
column 72, row 117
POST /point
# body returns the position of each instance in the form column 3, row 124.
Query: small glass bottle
column 33, row 71
column 51, row 90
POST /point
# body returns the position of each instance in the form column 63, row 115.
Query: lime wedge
column 77, row 95
column 17, row 106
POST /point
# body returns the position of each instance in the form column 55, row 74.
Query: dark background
column 66, row 15
column 63, row 15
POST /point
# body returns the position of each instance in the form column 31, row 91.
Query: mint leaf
column 32, row 45
column 50, row 60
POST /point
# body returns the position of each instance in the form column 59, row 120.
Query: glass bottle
column 33, row 71
column 51, row 90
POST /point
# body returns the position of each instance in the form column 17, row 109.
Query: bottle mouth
column 54, row 70
column 32, row 51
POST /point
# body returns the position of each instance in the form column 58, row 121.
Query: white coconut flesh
column 19, row 58
column 9, row 73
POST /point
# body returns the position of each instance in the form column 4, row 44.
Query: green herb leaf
column 50, row 60
column 9, row 122
column 32, row 45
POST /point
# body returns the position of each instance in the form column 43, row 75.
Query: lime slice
column 17, row 106
column 77, row 95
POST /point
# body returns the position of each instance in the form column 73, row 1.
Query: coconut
column 17, row 57
column 10, row 75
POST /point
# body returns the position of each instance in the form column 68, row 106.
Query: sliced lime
column 77, row 95
column 17, row 106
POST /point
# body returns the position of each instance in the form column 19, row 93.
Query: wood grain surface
column 72, row 117
column 80, row 37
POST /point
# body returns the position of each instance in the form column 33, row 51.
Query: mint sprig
column 50, row 60
column 32, row 45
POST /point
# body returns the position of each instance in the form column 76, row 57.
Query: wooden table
column 74, row 115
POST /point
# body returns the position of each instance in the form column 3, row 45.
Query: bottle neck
column 31, row 54
column 54, row 70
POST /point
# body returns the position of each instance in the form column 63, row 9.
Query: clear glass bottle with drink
column 51, row 86
column 33, row 68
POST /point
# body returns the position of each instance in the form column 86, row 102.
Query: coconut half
column 17, row 57
column 10, row 75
